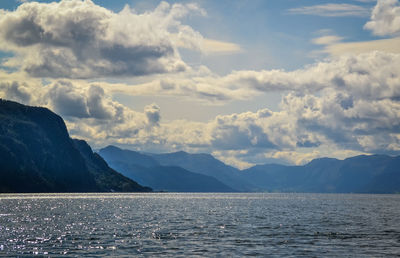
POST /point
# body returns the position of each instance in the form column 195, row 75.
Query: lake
column 186, row 224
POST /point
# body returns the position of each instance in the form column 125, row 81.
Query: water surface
column 166, row 224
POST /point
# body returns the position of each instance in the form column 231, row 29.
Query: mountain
column 360, row 174
column 114, row 154
column 388, row 181
column 272, row 177
column 205, row 164
column 37, row 155
column 105, row 176
column 147, row 171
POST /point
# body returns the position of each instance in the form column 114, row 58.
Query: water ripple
column 199, row 225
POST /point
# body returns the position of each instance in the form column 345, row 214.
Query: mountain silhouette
column 205, row 164
column 147, row 171
column 37, row 155
column 359, row 174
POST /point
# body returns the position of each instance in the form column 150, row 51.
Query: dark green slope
column 37, row 155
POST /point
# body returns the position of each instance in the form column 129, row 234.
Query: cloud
column 331, row 10
column 385, row 21
column 73, row 100
column 372, row 75
column 216, row 46
column 350, row 80
column 296, row 157
column 327, row 40
column 300, row 157
column 342, row 119
column 198, row 84
column 385, row 18
column 349, row 103
column 234, row 158
column 153, row 114
column 67, row 100
column 240, row 131
column 88, row 110
column 99, row 106
column 15, row 91
column 307, row 126
column 79, row 39
column 91, row 113
column 88, row 105
column 18, row 87
column 385, row 45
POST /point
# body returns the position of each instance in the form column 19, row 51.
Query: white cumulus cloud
column 79, row 39
column 385, row 18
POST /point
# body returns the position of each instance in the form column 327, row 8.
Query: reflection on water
column 162, row 224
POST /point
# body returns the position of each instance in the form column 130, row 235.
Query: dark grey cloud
column 96, row 106
column 241, row 131
column 66, row 101
column 232, row 137
column 90, row 101
column 15, row 91
column 152, row 113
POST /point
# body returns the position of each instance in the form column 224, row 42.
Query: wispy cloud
column 387, row 45
column 327, row 40
column 384, row 21
column 222, row 47
column 332, row 10
column 366, row 1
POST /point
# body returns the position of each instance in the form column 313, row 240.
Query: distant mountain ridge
column 147, row 170
column 359, row 174
column 205, row 164
column 116, row 154
column 37, row 155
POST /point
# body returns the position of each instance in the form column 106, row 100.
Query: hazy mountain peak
column 323, row 161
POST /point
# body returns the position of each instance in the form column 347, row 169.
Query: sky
column 250, row 82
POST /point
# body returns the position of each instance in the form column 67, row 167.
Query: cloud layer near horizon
column 350, row 103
